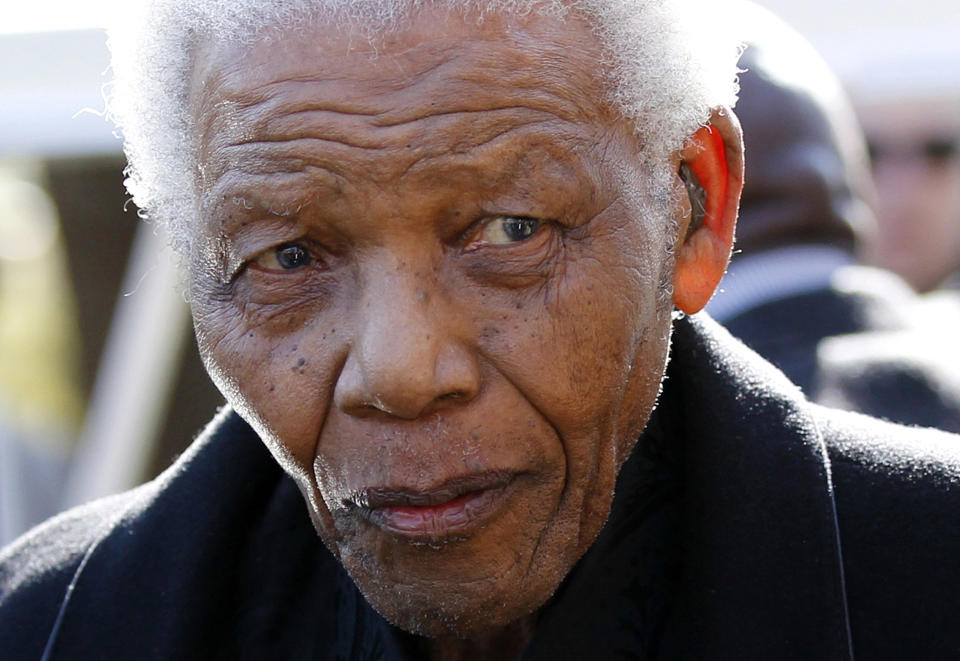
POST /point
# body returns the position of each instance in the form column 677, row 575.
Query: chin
column 458, row 609
column 452, row 615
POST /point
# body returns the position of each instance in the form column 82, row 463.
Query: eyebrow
column 272, row 192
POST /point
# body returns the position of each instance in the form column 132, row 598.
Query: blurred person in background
column 850, row 336
column 40, row 401
column 915, row 150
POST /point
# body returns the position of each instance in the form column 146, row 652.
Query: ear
column 715, row 155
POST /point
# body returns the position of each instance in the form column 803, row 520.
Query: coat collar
column 762, row 573
column 722, row 542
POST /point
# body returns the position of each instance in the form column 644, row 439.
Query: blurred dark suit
column 850, row 336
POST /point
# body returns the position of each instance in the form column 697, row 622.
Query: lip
column 453, row 508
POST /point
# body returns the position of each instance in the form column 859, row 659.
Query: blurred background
column 100, row 382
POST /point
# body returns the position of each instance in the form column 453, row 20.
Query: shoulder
column 36, row 570
column 893, row 495
column 897, row 492
column 100, row 559
column 868, row 455
column 53, row 549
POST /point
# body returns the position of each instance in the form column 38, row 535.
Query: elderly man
column 434, row 249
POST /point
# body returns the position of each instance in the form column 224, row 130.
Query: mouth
column 452, row 509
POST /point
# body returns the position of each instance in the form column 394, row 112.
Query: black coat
column 748, row 524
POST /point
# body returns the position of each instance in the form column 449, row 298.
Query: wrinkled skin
column 407, row 340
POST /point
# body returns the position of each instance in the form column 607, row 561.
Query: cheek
column 588, row 353
column 278, row 381
column 577, row 346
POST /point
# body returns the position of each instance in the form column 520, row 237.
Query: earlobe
column 714, row 155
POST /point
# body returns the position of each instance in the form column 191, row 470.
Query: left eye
column 508, row 229
column 286, row 257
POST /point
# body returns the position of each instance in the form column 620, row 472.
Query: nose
column 408, row 357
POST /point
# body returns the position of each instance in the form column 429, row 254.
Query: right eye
column 285, row 257
column 504, row 231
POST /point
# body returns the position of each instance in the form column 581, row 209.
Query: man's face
column 428, row 281
column 916, row 167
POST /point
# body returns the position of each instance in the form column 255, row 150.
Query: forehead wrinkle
column 437, row 79
column 331, row 168
column 235, row 135
column 320, row 127
column 481, row 86
column 476, row 161
column 303, row 110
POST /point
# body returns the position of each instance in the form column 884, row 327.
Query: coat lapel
column 762, row 574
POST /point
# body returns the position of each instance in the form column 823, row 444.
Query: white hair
column 669, row 62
